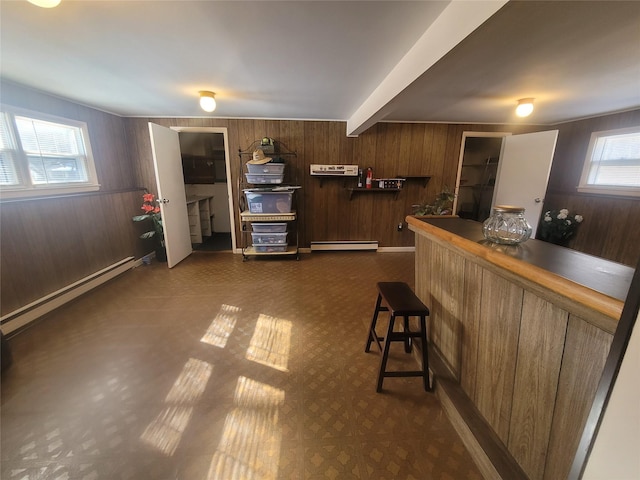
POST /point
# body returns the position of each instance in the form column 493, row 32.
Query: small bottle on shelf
column 369, row 177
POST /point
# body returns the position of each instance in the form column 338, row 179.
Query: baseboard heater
column 24, row 315
column 344, row 245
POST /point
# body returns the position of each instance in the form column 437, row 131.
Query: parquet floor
column 220, row 369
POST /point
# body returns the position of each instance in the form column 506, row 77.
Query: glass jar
column 506, row 225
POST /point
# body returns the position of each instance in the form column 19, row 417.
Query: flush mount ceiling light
column 525, row 107
column 207, row 101
column 45, row 3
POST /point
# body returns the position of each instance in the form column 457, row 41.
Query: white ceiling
column 358, row 61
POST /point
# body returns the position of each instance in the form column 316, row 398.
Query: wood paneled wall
column 325, row 210
column 327, row 214
column 50, row 244
column 47, row 244
column 611, row 227
column 122, row 152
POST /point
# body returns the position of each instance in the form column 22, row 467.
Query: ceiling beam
column 455, row 23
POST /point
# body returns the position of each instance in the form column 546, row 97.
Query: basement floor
column 223, row 369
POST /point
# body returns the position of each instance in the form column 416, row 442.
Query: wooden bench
column 398, row 299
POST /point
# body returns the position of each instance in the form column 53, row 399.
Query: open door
column 523, row 173
column 167, row 163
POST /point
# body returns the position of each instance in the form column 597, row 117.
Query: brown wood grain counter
column 593, row 282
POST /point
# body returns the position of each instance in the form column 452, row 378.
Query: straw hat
column 259, row 158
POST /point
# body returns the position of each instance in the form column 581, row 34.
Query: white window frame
column 586, row 187
column 26, row 189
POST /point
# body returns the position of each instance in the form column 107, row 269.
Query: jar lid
column 508, row 209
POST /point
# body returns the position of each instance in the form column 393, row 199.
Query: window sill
column 28, row 193
column 609, row 190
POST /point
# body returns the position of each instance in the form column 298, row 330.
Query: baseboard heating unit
column 344, row 245
column 21, row 317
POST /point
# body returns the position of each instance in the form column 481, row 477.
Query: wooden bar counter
column 520, row 335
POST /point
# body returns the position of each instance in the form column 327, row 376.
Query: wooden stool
column 398, row 299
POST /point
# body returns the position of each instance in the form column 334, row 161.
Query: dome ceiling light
column 525, row 107
column 45, row 3
column 207, row 101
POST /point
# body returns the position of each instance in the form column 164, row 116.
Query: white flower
column 578, row 218
column 562, row 215
column 547, row 218
column 564, row 211
column 568, row 222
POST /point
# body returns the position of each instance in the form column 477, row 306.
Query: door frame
column 466, row 135
column 227, row 165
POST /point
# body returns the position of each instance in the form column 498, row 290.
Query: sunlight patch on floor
column 222, row 326
column 251, row 440
column 271, row 343
column 165, row 431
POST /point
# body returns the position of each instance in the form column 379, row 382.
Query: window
column 612, row 165
column 43, row 155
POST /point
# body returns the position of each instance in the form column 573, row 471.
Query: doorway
column 477, row 173
column 205, row 160
column 504, row 169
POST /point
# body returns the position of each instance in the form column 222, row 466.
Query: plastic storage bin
column 272, row 178
column 276, row 168
column 270, row 248
column 269, row 238
column 269, row 202
column 269, row 227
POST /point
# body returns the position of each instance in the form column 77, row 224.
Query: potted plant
column 443, row 205
column 558, row 226
column 152, row 212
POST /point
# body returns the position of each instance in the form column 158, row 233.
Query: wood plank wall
column 326, row 212
column 390, row 149
column 123, row 160
column 47, row 244
column 611, row 227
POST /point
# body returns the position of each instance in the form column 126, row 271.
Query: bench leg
column 425, row 355
column 407, row 340
column 385, row 354
column 372, row 330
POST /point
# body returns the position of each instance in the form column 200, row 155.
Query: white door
column 167, row 163
column 523, row 172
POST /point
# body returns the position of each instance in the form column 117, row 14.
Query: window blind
column 615, row 161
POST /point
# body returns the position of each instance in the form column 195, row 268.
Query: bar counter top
column 595, row 282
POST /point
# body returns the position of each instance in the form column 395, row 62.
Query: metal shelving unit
column 247, row 217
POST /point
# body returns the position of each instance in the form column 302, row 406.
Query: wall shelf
column 416, row 178
column 374, row 190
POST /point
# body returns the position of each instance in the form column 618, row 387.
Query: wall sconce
column 207, row 101
column 45, row 3
column 525, row 107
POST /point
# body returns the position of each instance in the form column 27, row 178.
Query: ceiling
column 355, row 61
